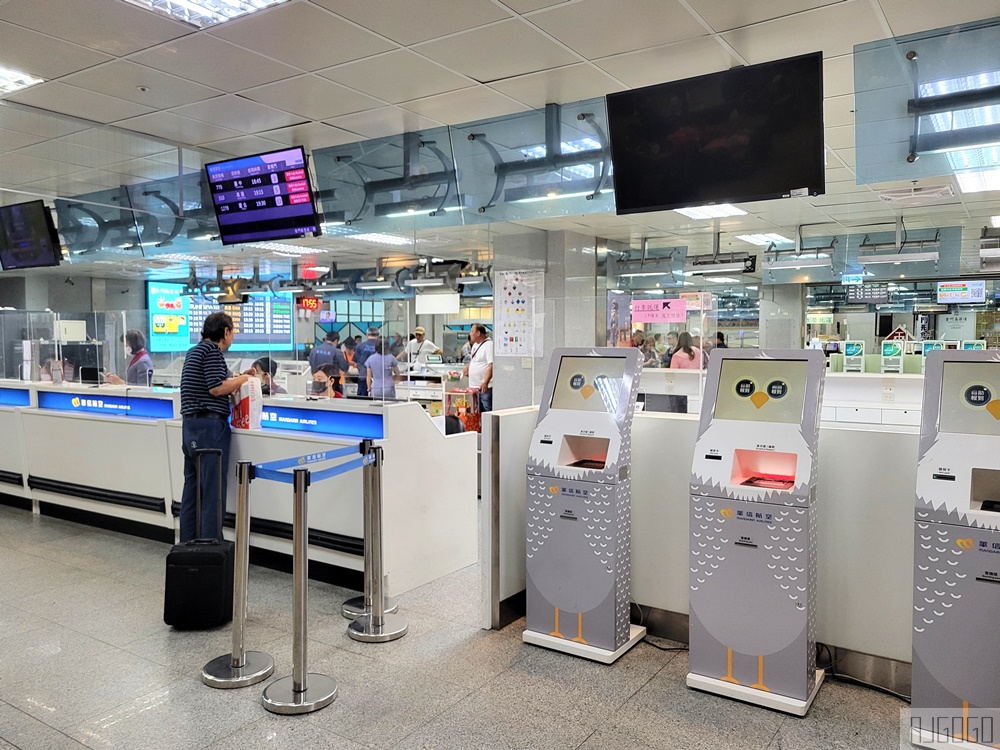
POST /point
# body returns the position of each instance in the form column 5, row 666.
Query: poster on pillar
column 518, row 299
column 619, row 314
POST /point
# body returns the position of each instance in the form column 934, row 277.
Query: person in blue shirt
column 361, row 354
column 328, row 353
column 383, row 369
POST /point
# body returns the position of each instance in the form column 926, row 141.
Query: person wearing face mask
column 265, row 368
column 140, row 366
column 326, row 382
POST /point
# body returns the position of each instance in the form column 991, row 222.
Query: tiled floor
column 85, row 659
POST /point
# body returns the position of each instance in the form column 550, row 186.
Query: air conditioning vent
column 917, row 195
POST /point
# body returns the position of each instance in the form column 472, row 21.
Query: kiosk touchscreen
column 974, row 345
column 956, row 576
column 892, row 355
column 579, row 491
column 854, row 356
column 753, row 529
column 928, row 347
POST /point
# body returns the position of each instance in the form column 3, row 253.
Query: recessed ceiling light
column 995, row 221
column 704, row 213
column 763, row 239
column 978, row 182
column 203, row 13
column 15, row 80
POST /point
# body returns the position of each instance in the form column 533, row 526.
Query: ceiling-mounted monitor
column 745, row 134
column 28, row 237
column 264, row 197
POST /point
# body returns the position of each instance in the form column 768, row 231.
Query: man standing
column 361, row 353
column 328, row 353
column 480, row 367
column 205, row 390
column 419, row 347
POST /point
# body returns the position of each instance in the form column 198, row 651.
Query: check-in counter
column 115, row 451
column 864, row 500
column 14, row 396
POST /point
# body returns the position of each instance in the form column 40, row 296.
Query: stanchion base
column 393, row 627
column 352, row 609
column 220, row 672
column 280, row 698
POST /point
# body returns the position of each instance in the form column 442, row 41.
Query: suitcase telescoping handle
column 199, row 454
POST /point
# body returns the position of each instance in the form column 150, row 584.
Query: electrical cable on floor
column 833, row 674
column 642, row 619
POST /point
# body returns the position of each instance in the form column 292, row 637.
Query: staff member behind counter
column 419, row 347
column 140, row 367
column 205, row 391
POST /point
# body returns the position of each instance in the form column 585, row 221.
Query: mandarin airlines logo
column 726, row 512
column 75, row 402
column 965, row 543
column 554, row 490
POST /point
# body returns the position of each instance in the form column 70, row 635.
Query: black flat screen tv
column 745, row 134
column 28, row 237
column 264, row 197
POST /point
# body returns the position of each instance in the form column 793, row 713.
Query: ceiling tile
column 526, row 6
column 68, row 153
column 120, row 143
column 11, row 140
column 105, row 25
column 38, row 168
column 846, row 155
column 838, row 111
column 838, row 75
column 561, row 86
column 244, row 144
column 502, row 50
column 122, row 79
column 841, row 136
column 833, row 29
column 723, row 16
column 236, row 113
column 379, row 123
column 672, row 62
column 909, row 16
column 214, row 62
column 312, row 97
column 36, row 123
column 463, row 106
column 312, row 135
column 43, row 56
column 421, row 20
column 278, row 33
column 179, row 129
column 59, row 97
column 594, row 30
column 397, row 76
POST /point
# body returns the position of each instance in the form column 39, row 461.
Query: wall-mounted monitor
column 961, row 292
column 762, row 390
column 745, row 134
column 264, row 197
column 262, row 324
column 28, row 237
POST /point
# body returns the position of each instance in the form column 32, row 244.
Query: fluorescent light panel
column 897, row 258
column 763, row 239
column 978, row 182
column 995, row 221
column 423, row 282
column 374, row 285
column 471, row 280
column 704, row 213
column 203, row 13
column 714, row 268
column 14, row 80
column 796, row 263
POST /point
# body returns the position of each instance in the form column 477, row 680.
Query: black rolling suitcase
column 199, row 586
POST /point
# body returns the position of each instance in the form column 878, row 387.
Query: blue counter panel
column 15, row 397
column 345, row 423
column 109, row 406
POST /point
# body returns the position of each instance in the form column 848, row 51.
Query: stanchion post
column 361, row 605
column 378, row 626
column 302, row 692
column 240, row 668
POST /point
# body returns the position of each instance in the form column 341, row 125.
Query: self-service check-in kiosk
column 956, row 597
column 579, row 492
column 974, row 345
column 928, row 347
column 892, row 355
column 854, row 356
column 753, row 529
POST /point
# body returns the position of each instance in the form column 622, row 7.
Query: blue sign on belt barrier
column 309, row 458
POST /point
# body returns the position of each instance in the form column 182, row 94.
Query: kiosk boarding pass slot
column 892, row 355
column 854, row 356
column 765, row 469
column 583, row 452
column 956, row 599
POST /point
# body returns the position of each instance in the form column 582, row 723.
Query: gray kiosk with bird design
column 579, row 493
column 753, row 529
column 956, row 577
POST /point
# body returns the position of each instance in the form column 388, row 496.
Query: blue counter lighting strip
column 319, row 476
column 14, row 397
column 327, row 422
column 109, row 406
column 274, row 476
column 311, row 458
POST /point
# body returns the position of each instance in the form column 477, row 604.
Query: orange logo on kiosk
column 759, row 398
column 993, row 407
column 587, row 391
column 726, row 512
column 965, row 543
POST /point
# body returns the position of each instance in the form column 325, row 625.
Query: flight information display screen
column 263, row 197
column 590, row 384
column 762, row 390
column 263, row 323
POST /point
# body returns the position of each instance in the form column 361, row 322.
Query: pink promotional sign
column 659, row 311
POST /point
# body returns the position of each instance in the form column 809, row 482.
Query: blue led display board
column 345, row 423
column 112, row 406
column 14, row 397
